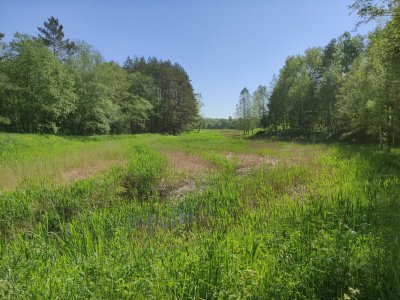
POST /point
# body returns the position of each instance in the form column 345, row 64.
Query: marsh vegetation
column 201, row 215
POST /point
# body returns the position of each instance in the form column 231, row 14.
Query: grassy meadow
column 209, row 215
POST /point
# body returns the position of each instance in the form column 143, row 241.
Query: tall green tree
column 348, row 49
column 304, row 96
column 386, row 42
column 259, row 103
column 291, row 102
column 50, row 84
column 5, row 85
column 97, row 85
column 174, row 104
column 369, row 10
column 360, row 103
column 243, row 111
column 52, row 35
column 135, row 105
column 40, row 91
column 328, row 88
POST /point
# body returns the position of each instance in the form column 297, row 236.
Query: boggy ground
column 198, row 216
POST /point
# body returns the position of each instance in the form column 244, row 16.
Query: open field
column 204, row 215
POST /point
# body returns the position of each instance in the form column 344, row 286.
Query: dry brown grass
column 265, row 145
column 67, row 167
column 246, row 161
column 186, row 171
column 87, row 170
column 186, row 163
column 231, row 133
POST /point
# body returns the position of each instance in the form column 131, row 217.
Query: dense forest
column 49, row 84
column 350, row 88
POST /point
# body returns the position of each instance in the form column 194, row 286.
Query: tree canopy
column 52, row 35
column 49, row 84
column 347, row 89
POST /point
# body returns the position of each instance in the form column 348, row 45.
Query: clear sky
column 223, row 45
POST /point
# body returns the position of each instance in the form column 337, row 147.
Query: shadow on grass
column 380, row 170
column 378, row 163
column 312, row 138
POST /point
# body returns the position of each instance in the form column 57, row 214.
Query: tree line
column 350, row 88
column 49, row 84
column 213, row 123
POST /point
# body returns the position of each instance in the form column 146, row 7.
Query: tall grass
column 321, row 224
column 33, row 159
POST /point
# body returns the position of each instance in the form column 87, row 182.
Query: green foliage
column 135, row 109
column 49, row 85
column 175, row 107
column 35, row 81
column 259, row 105
column 369, row 10
column 209, row 123
column 144, row 173
column 347, row 90
column 321, row 224
column 360, row 106
column 243, row 111
column 292, row 102
column 52, row 35
column 98, row 88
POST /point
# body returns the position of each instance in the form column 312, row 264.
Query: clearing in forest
column 254, row 218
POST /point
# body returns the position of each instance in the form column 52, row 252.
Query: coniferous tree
column 85, row 94
column 174, row 103
column 52, row 35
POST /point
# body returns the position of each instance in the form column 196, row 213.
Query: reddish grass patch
column 191, row 166
column 247, row 162
column 86, row 171
column 185, row 162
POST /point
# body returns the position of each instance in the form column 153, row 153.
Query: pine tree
column 52, row 35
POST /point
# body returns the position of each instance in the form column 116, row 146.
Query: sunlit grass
column 30, row 159
column 321, row 223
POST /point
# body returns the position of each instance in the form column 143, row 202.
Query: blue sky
column 223, row 45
